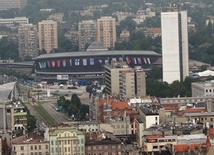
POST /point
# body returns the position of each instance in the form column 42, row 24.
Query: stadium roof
column 97, row 53
column 96, row 46
column 5, row 90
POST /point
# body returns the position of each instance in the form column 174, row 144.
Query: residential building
column 31, row 145
column 48, row 35
column 66, row 140
column 153, row 32
column 174, row 46
column 139, row 131
column 203, row 89
column 56, row 17
column 155, row 143
column 106, row 31
column 122, row 15
column 102, row 143
column 124, row 35
column 28, row 41
column 14, row 22
column 9, row 4
column 87, row 33
column 149, row 115
column 125, row 81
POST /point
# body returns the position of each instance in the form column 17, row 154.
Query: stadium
column 90, row 62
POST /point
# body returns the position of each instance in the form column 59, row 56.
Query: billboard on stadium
column 62, row 77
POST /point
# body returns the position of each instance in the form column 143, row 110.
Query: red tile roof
column 194, row 110
column 153, row 30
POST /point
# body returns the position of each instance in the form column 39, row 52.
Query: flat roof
column 199, row 114
column 97, row 53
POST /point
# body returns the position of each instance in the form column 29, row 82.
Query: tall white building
column 174, row 46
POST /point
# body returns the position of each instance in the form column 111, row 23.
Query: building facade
column 174, row 46
column 17, row 21
column 64, row 141
column 203, row 89
column 87, row 33
column 28, row 41
column 48, row 35
column 106, row 31
column 123, row 80
column 8, row 4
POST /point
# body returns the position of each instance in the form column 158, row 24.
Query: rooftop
column 97, row 53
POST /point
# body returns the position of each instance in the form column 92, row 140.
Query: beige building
column 123, row 80
column 66, row 140
column 33, row 145
column 87, row 33
column 8, row 4
column 106, row 31
column 28, row 41
column 48, row 35
column 56, row 17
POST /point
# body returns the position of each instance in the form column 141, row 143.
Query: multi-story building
column 66, row 140
column 8, row 4
column 56, row 17
column 139, row 131
column 174, row 46
column 48, row 35
column 13, row 22
column 123, row 80
column 149, row 115
column 34, row 144
column 106, row 31
column 102, row 143
column 28, row 41
column 203, row 89
column 87, row 33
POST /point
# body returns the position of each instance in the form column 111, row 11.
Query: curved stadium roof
column 97, row 53
column 5, row 90
column 96, row 46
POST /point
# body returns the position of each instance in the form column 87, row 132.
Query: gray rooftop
column 97, row 53
column 5, row 90
column 199, row 114
column 96, row 45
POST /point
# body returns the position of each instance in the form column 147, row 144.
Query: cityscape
column 106, row 77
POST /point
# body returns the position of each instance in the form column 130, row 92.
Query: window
column 46, row 146
column 31, row 147
column 81, row 141
column 39, row 147
column 22, row 147
column 155, row 147
column 35, row 147
column 89, row 148
column 211, row 119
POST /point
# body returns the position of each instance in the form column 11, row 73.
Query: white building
column 19, row 21
column 174, row 46
column 203, row 89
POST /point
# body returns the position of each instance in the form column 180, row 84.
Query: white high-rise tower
column 175, row 52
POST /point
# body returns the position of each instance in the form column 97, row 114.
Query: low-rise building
column 203, row 88
column 31, row 145
column 102, row 143
column 66, row 140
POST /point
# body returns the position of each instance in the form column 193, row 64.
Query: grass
column 46, row 117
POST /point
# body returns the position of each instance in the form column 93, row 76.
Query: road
column 58, row 116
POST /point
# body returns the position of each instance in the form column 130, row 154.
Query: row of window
column 35, row 147
column 106, row 147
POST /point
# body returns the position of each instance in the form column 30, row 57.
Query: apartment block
column 28, row 41
column 87, row 33
column 48, row 35
column 56, row 17
column 9, row 4
column 66, row 140
column 106, row 31
column 123, row 80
